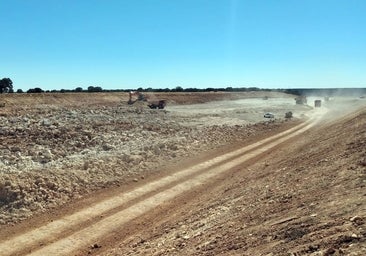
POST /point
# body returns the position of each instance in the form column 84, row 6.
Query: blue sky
column 64, row 44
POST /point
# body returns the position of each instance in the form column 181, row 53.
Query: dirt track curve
column 69, row 234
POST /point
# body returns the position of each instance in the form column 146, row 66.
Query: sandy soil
column 58, row 147
column 307, row 198
column 294, row 198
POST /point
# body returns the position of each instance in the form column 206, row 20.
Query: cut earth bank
column 59, row 147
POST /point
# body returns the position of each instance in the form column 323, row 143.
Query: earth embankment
column 59, row 147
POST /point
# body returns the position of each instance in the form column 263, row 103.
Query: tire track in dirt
column 192, row 177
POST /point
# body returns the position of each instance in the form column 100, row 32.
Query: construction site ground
column 86, row 174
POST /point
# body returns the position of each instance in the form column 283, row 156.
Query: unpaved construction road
column 297, row 188
column 52, row 236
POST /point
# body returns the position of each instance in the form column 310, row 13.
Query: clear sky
column 119, row 44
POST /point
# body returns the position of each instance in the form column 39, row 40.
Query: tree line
column 6, row 86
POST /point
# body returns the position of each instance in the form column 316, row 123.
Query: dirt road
column 306, row 197
column 75, row 232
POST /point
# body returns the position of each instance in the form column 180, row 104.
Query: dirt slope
column 306, row 199
column 57, row 240
column 27, row 101
column 55, row 148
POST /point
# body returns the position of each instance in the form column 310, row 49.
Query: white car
column 269, row 115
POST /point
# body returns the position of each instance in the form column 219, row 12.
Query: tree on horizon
column 6, row 85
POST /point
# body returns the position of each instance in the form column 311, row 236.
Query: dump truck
column 317, row 103
column 160, row 104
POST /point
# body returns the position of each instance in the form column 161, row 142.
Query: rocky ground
column 306, row 198
column 62, row 147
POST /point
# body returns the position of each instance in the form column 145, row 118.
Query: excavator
column 138, row 96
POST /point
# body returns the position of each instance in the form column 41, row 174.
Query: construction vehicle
column 135, row 96
column 288, row 115
column 301, row 100
column 160, row 104
column 317, row 103
column 138, row 97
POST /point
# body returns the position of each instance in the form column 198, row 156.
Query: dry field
column 304, row 195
